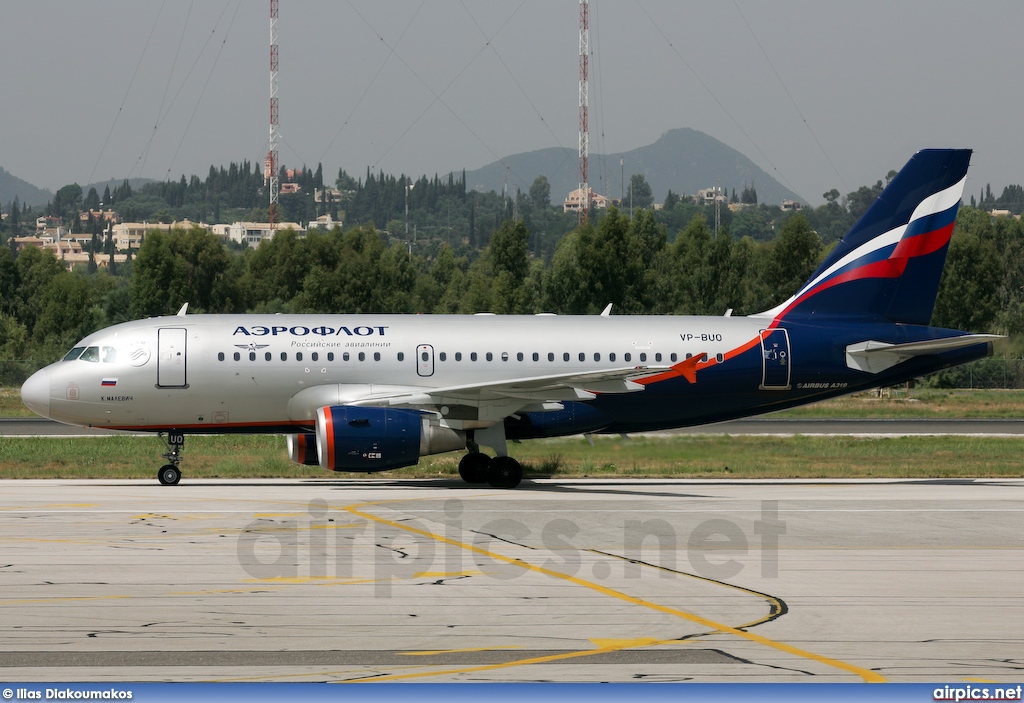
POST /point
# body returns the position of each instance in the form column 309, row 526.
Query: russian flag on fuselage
column 889, row 264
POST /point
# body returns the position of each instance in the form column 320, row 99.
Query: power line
column 790, row 96
column 129, row 90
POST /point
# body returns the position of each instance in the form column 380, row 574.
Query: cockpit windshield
column 108, row 355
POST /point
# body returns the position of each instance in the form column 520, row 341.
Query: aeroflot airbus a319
column 375, row 392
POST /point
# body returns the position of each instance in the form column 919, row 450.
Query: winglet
column 607, row 311
column 181, row 313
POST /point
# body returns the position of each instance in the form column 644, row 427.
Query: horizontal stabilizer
column 874, row 357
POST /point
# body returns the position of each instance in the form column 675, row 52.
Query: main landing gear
column 169, row 474
column 500, row 472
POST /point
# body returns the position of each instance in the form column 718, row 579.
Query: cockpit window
column 109, row 355
column 91, row 354
column 74, row 354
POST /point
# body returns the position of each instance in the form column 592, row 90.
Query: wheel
column 505, row 472
column 169, row 475
column 473, row 468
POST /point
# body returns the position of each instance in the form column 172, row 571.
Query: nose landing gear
column 170, row 474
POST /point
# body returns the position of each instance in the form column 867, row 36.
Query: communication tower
column 584, row 139
column 271, row 166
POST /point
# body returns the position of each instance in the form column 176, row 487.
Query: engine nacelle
column 302, row 449
column 350, row 438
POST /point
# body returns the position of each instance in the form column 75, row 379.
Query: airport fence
column 985, row 373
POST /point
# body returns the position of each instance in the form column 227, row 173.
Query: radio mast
column 271, row 166
column 584, row 139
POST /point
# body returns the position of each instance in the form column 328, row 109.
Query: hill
column 683, row 160
column 11, row 186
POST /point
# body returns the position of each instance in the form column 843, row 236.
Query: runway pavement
column 569, row 580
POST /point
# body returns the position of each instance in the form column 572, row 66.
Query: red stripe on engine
column 329, row 436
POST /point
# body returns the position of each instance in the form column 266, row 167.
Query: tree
column 540, row 192
column 156, row 278
column 640, row 194
column 791, row 260
column 92, row 200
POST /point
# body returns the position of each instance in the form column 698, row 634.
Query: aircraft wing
column 874, row 356
column 495, row 400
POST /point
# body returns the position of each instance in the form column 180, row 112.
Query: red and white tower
column 271, row 166
column 584, row 140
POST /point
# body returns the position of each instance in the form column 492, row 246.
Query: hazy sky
column 820, row 94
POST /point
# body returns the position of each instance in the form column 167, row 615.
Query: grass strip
column 684, row 456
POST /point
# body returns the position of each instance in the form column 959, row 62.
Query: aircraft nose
column 35, row 393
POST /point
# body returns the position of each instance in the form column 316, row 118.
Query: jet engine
column 302, row 449
column 367, row 439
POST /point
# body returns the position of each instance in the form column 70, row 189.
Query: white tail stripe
column 935, row 203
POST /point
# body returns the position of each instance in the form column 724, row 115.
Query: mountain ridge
column 683, row 160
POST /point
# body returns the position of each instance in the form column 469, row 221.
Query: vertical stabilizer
column 889, row 264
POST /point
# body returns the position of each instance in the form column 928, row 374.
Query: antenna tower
column 584, row 140
column 271, row 166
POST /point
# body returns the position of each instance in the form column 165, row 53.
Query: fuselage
column 269, row 373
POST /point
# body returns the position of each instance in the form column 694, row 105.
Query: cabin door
column 776, row 361
column 170, row 364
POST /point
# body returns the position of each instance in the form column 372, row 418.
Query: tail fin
column 889, row 264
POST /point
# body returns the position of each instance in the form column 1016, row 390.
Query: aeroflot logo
column 303, row 331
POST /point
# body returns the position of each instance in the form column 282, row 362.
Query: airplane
column 368, row 392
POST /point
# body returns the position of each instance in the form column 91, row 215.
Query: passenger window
column 74, row 354
column 442, row 356
column 551, row 356
column 611, row 357
column 91, row 354
column 109, row 355
column 284, row 356
column 252, row 356
column 330, row 356
column 583, row 357
column 220, row 356
column 719, row 358
column 315, row 356
column 490, row 357
column 237, row 356
column 627, row 357
column 688, row 355
column 472, row 356
column 401, row 356
column 565, row 356
column 597, row 357
column 376, row 356
column 345, row 356
column 362, row 356
column 536, row 356
column 643, row 356
column 673, row 357
column 268, row 356
column 519, row 357
column 657, row 357
column 458, row 356
column 298, row 356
